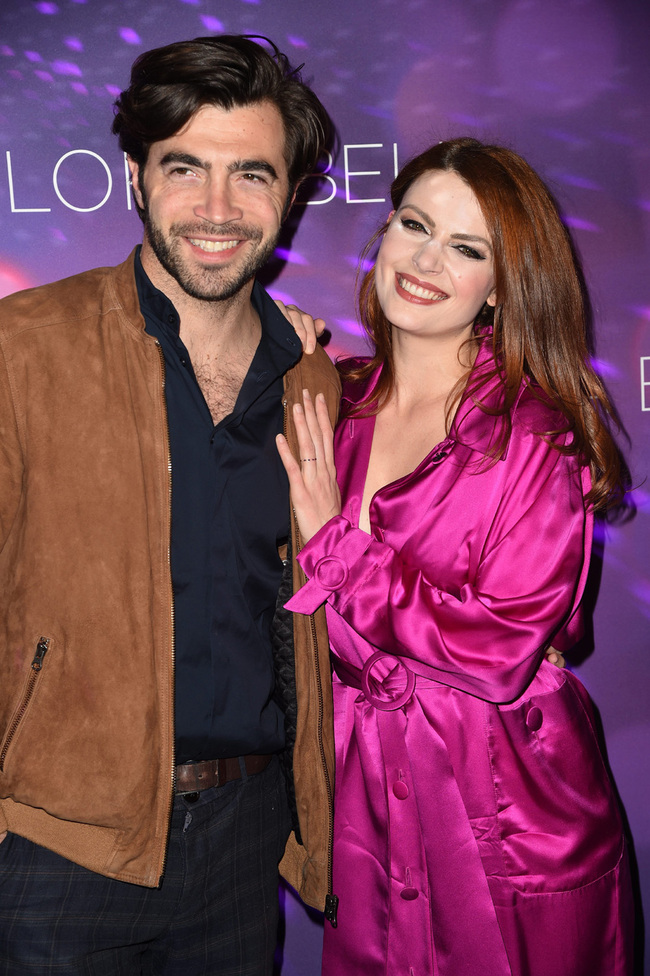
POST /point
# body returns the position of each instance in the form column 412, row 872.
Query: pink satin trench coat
column 476, row 831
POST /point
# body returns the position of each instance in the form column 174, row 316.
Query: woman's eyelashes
column 411, row 224
column 470, row 252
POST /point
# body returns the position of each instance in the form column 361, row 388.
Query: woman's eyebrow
column 472, row 237
column 459, row 237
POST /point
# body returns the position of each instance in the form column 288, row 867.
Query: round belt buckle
column 392, row 684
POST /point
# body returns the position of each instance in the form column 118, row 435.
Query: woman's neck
column 427, row 370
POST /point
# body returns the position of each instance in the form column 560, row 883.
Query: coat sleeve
column 11, row 462
column 486, row 638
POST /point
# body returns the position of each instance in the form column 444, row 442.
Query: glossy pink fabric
column 476, row 833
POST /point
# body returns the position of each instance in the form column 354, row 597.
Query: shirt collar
column 284, row 346
column 278, row 336
column 154, row 302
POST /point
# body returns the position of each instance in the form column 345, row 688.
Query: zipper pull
column 41, row 651
column 331, row 909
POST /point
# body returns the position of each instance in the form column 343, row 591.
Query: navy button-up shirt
column 230, row 510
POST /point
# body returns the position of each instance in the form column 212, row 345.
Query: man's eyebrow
column 254, row 165
column 237, row 166
column 186, row 159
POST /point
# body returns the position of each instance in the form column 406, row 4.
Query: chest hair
column 220, row 379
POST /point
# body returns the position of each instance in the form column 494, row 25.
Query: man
column 143, row 503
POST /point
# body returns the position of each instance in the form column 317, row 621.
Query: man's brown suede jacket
column 86, row 625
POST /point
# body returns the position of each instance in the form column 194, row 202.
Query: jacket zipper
column 36, row 666
column 173, row 636
column 331, row 900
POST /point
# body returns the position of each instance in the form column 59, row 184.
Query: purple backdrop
column 565, row 82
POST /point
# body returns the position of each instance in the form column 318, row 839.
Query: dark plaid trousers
column 216, row 913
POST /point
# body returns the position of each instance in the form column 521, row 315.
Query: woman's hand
column 314, row 492
column 306, row 328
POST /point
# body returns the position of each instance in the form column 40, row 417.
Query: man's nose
column 217, row 202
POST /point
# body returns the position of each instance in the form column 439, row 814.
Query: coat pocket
column 29, row 688
column 558, row 818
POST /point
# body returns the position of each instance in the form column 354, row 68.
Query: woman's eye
column 411, row 224
column 470, row 252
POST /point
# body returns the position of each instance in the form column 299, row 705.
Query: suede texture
column 86, row 742
column 307, row 864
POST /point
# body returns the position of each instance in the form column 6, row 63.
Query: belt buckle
column 396, row 686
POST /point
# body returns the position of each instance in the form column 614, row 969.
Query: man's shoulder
column 66, row 300
column 317, row 374
column 314, row 370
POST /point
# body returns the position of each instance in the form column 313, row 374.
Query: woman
column 476, row 832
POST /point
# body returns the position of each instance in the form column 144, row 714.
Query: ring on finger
column 309, row 459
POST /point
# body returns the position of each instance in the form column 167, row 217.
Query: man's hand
column 555, row 657
column 306, row 328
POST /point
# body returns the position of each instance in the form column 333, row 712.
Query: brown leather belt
column 194, row 777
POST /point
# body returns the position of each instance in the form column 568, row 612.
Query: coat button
column 409, row 894
column 331, row 572
column 400, row 789
column 534, row 718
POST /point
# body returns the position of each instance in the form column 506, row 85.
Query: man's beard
column 210, row 284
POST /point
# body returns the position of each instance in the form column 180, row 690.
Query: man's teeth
column 418, row 292
column 213, row 245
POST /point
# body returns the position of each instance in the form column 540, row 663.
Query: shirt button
column 400, row 789
column 534, row 719
column 409, row 894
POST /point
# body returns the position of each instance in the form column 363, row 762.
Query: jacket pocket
column 558, row 819
column 29, row 688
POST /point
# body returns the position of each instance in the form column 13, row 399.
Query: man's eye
column 254, row 178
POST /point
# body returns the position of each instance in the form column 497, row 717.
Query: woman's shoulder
column 356, row 379
column 536, row 413
column 351, row 365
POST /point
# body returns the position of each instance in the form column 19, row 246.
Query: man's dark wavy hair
column 169, row 84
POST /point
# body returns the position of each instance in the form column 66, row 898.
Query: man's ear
column 291, row 199
column 134, row 170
